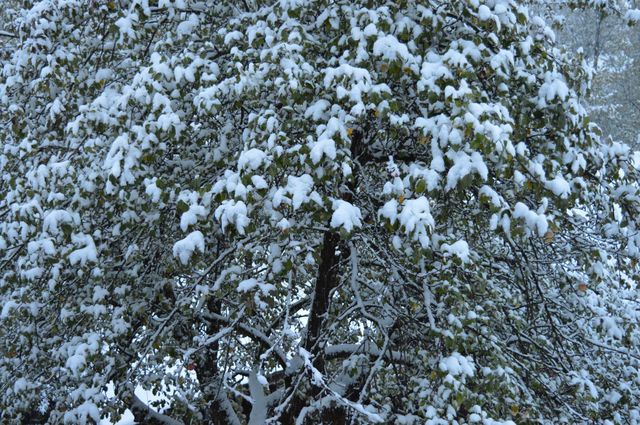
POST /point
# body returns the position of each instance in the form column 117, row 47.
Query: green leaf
column 182, row 207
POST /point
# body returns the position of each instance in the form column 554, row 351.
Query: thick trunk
column 208, row 372
column 216, row 410
column 327, row 280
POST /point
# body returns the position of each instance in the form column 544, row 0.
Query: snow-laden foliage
column 605, row 35
column 304, row 211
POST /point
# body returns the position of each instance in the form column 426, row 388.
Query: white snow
column 370, row 30
column 582, row 380
column 464, row 165
column 632, row 16
column 390, row 48
column 459, row 249
column 559, row 186
column 300, row 191
column 7, row 306
column 484, row 13
column 415, row 217
column 613, row 396
column 20, row 385
column 416, row 213
column 152, row 190
column 258, row 414
column 317, row 110
column 251, row 159
column 99, row 293
column 190, row 217
column 45, row 246
column 186, row 27
column 345, row 215
column 85, row 254
column 259, row 182
column 247, row 285
column 283, row 224
column 125, row 26
column 233, row 36
column 554, row 87
column 234, row 213
column 84, row 411
column 183, row 249
column 263, row 380
column 457, row 364
column 325, row 145
column 76, row 363
column 54, row 218
column 534, row 221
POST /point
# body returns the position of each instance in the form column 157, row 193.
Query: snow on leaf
column 247, row 285
column 457, row 364
column 463, row 165
column 184, row 248
column 345, row 215
column 232, row 213
column 559, row 186
column 415, row 218
column 460, row 249
column 88, row 253
column 534, row 221
column 190, row 217
column 251, row 159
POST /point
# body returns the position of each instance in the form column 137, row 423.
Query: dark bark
column 208, row 372
column 207, row 362
column 34, row 417
column 326, row 281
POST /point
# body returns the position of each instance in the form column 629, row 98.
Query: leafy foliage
column 310, row 211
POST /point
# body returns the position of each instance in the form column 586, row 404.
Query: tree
column 601, row 32
column 310, row 212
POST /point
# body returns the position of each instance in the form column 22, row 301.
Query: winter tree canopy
column 605, row 33
column 308, row 211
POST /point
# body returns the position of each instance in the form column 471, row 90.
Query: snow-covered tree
column 603, row 33
column 305, row 211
